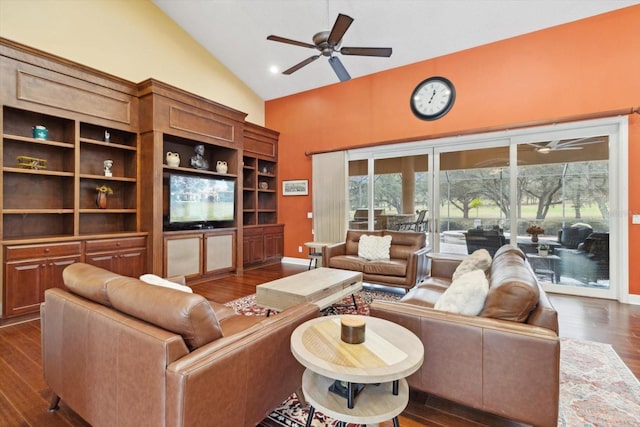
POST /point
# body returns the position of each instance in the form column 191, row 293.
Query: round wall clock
column 432, row 98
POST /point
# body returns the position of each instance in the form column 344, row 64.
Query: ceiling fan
column 328, row 43
column 565, row 144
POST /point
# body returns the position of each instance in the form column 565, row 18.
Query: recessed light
column 273, row 69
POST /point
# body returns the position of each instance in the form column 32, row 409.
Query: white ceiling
column 235, row 32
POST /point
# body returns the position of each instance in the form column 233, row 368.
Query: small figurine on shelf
column 221, row 166
column 107, row 136
column 101, row 197
column 40, row 132
column 198, row 161
column 107, row 167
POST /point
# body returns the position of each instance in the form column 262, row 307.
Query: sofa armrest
column 417, row 266
column 330, row 251
column 227, row 379
column 444, row 265
column 482, row 362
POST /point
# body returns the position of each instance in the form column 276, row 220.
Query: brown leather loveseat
column 504, row 361
column 122, row 352
column 406, row 266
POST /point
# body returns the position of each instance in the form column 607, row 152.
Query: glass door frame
column 616, row 128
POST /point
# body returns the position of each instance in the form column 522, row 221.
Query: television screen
column 196, row 199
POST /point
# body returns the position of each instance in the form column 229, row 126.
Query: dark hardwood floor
column 24, row 396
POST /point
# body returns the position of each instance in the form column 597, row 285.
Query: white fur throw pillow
column 478, row 260
column 374, row 247
column 152, row 279
column 465, row 295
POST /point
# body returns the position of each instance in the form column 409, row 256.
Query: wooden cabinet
column 59, row 123
column 49, row 180
column 123, row 256
column 259, row 176
column 197, row 254
column 30, row 270
column 263, row 244
column 176, row 121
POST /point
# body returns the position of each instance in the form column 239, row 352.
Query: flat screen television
column 200, row 200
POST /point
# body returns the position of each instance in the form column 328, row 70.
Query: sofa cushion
column 188, row 315
column 347, row 262
column 353, row 240
column 374, row 247
column 89, row 281
column 513, row 290
column 393, row 267
column 478, row 260
column 466, row 294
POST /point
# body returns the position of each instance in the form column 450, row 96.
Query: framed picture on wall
column 297, row 187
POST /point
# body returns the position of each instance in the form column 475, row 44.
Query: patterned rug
column 596, row 388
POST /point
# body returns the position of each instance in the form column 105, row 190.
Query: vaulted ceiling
column 235, row 32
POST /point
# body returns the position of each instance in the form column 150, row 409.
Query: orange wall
column 585, row 67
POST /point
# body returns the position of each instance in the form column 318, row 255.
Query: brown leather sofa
column 506, row 367
column 406, row 267
column 122, row 352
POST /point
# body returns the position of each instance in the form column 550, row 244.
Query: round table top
column 389, row 352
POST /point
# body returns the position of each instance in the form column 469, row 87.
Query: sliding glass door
column 547, row 190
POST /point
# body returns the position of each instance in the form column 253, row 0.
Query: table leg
column 350, row 394
column 395, row 387
column 355, row 304
column 396, row 422
column 312, row 412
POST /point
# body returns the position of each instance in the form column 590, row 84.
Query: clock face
column 432, row 98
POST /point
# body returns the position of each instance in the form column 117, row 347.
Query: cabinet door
column 273, row 245
column 26, row 281
column 22, row 286
column 183, row 255
column 220, row 253
column 106, row 260
column 132, row 262
column 253, row 249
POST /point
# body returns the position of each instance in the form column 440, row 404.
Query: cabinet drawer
column 42, row 250
column 114, row 244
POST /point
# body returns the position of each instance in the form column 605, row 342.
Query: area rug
column 596, row 388
column 247, row 305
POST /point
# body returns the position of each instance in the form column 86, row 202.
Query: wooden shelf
column 30, row 140
column 46, row 172
column 36, row 211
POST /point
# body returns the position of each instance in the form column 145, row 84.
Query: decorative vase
column 173, row 159
column 543, row 252
column 534, row 238
column 101, row 200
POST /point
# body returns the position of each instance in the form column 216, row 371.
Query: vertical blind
column 329, row 192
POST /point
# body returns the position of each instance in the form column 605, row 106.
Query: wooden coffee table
column 389, row 353
column 322, row 286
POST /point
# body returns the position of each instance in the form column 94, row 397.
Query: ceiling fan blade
column 339, row 69
column 367, row 51
column 342, row 24
column 296, row 67
column 289, row 41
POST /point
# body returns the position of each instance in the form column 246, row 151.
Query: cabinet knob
column 47, row 250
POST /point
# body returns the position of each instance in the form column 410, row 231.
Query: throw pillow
column 374, row 247
column 478, row 260
column 465, row 295
column 152, row 279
